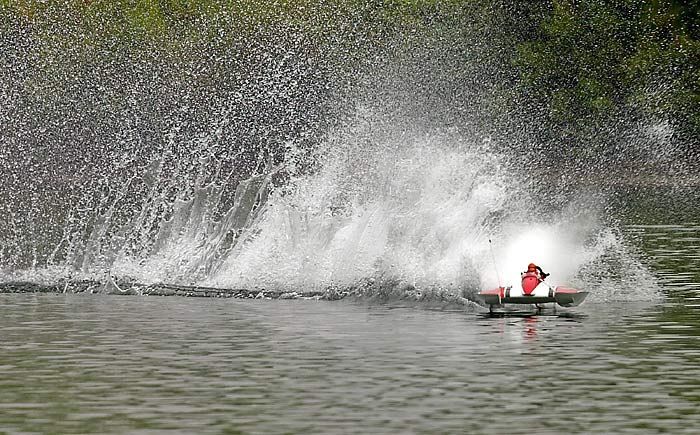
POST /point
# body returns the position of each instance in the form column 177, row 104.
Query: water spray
column 495, row 266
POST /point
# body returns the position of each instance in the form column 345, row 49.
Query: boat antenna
column 495, row 266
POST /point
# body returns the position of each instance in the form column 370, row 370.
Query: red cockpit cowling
column 529, row 282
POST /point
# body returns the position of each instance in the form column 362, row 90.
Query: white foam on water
column 408, row 206
column 417, row 210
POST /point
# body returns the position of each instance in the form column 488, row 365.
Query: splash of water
column 407, row 206
column 254, row 182
column 392, row 211
column 414, row 211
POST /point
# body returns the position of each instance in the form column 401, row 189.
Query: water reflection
column 527, row 325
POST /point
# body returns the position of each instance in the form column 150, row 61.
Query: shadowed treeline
column 591, row 66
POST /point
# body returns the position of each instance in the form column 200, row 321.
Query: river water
column 130, row 364
column 325, row 152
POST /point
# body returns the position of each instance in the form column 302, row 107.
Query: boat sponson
column 491, row 299
column 565, row 297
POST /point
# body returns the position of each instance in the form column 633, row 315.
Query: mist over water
column 292, row 170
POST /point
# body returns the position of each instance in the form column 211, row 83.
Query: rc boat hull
column 543, row 294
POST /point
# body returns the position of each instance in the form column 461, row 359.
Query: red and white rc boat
column 532, row 290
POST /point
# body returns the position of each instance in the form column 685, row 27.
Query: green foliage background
column 573, row 62
column 593, row 59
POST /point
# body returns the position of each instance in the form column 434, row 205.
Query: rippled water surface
column 124, row 364
column 129, row 364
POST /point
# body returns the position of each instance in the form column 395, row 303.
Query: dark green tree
column 592, row 61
